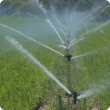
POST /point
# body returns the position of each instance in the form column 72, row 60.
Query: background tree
column 21, row 7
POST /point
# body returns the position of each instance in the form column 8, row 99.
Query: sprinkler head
column 75, row 97
column 68, row 56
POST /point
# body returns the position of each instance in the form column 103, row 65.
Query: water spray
column 30, row 38
column 42, row 67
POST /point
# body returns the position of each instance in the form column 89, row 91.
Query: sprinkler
column 74, row 96
column 68, row 57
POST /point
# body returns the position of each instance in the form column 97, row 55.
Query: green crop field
column 24, row 86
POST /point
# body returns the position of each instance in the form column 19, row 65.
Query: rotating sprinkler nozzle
column 68, row 57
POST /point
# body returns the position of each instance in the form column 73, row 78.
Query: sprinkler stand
column 68, row 75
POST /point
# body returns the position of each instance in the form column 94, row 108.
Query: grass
column 21, row 82
column 24, row 86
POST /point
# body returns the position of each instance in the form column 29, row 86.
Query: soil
column 65, row 100
column 43, row 108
